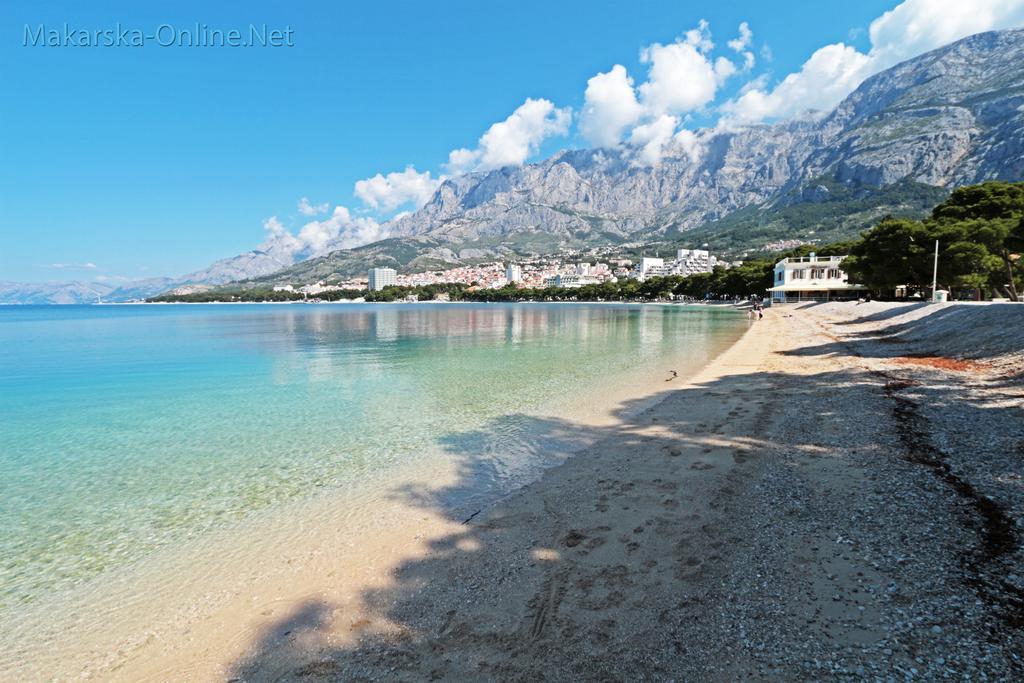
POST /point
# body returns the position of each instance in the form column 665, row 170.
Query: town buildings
column 687, row 262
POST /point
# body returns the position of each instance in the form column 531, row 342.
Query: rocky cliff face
column 949, row 117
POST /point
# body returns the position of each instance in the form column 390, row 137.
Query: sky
column 126, row 162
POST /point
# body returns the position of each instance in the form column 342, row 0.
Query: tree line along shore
column 979, row 230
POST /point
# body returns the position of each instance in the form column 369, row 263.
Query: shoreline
column 783, row 513
column 769, row 519
column 130, row 646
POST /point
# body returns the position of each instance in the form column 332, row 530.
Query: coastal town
column 561, row 270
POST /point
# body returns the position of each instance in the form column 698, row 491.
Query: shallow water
column 126, row 430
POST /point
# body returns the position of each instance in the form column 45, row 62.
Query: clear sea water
column 127, row 429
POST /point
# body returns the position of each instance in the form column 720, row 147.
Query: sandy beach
column 838, row 494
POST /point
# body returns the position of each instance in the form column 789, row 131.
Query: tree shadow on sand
column 595, row 572
column 954, row 331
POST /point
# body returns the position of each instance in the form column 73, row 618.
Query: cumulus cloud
column 834, row 71
column 649, row 139
column 388, row 192
column 307, row 209
column 741, row 46
column 828, row 76
column 341, row 230
column 682, row 77
column 609, row 107
column 723, row 69
column 742, row 42
column 687, row 142
column 916, row 26
column 512, row 141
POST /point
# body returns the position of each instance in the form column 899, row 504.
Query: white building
column 812, row 278
column 649, row 267
column 690, row 261
column 380, row 278
column 514, row 272
column 687, row 262
column 571, row 281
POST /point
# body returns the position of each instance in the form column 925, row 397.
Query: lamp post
column 935, row 273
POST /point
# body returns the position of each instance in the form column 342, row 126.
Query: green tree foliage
column 894, row 253
column 986, row 219
column 979, row 233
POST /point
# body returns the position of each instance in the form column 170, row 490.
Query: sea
column 129, row 431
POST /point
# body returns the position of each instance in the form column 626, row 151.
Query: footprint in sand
column 699, row 465
column 574, row 538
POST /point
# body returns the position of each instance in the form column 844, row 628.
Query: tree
column 989, row 215
column 894, row 253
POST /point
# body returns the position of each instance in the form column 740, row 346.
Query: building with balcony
column 812, row 278
column 379, row 278
column 649, row 267
column 571, row 281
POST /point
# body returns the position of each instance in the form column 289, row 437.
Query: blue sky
column 159, row 160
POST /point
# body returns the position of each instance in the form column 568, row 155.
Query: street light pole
column 935, row 273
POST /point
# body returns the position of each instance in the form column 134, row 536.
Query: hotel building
column 379, row 278
column 812, row 278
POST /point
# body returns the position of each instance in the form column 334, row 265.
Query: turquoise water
column 124, row 429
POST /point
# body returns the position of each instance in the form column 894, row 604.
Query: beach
column 837, row 494
column 812, row 505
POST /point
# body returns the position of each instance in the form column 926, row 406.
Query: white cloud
column 462, row 160
column 680, row 78
column 307, row 209
column 916, row 26
column 74, row 266
column 700, row 37
column 829, row 75
column 512, row 141
column 387, row 193
column 609, row 107
column 686, row 141
column 741, row 46
column 341, row 231
column 909, row 29
column 649, row 140
column 743, row 41
column 723, row 69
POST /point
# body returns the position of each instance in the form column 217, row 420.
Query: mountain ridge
column 948, row 117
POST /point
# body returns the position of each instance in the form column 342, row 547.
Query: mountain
column 949, row 117
column 251, row 264
column 896, row 145
column 53, row 292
